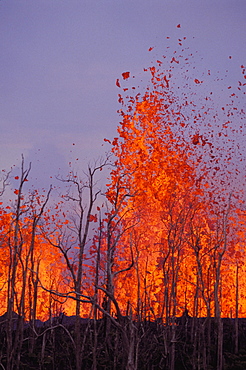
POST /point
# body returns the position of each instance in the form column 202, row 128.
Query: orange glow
column 186, row 243
column 173, row 235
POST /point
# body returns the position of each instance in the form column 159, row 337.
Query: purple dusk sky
column 59, row 61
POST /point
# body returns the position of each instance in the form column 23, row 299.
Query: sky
column 60, row 59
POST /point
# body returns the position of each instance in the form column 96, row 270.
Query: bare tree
column 82, row 196
column 15, row 251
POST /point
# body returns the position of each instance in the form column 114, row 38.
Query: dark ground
column 49, row 345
